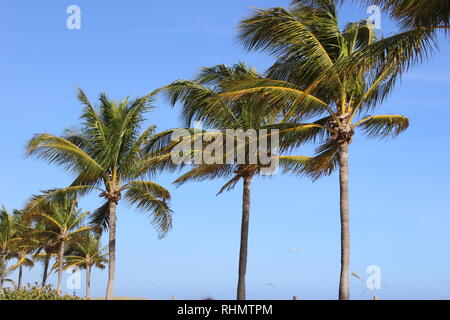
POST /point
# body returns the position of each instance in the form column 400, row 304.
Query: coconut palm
column 64, row 220
column 24, row 248
column 106, row 151
column 13, row 240
column 8, row 239
column 86, row 254
column 23, row 260
column 47, row 249
column 4, row 273
column 334, row 76
column 198, row 104
column 8, row 234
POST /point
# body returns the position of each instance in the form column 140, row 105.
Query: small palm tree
column 23, row 260
column 47, row 249
column 333, row 76
column 4, row 273
column 8, row 234
column 87, row 254
column 12, row 241
column 64, row 221
column 25, row 246
column 198, row 99
column 107, row 151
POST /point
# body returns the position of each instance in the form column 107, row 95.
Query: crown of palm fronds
column 106, row 155
column 85, row 253
column 204, row 99
column 323, row 71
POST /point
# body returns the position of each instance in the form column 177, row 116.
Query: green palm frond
column 206, row 172
column 279, row 31
column 297, row 102
column 384, row 125
column 147, row 197
column 293, row 164
column 59, row 150
column 36, row 203
column 100, row 218
column 324, row 162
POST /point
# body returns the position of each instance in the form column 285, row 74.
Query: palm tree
column 87, row 254
column 332, row 75
column 25, row 245
column 198, row 102
column 8, row 234
column 13, row 243
column 64, row 221
column 107, row 151
column 47, row 249
column 4, row 273
column 23, row 261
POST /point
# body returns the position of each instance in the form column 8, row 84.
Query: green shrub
column 34, row 292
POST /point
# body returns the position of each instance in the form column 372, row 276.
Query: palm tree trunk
column 344, row 290
column 2, row 262
column 60, row 267
column 88, row 282
column 112, row 250
column 244, row 238
column 46, row 263
column 19, row 281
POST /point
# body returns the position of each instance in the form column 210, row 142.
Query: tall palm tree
column 64, row 220
column 107, row 151
column 334, row 76
column 198, row 104
column 87, row 254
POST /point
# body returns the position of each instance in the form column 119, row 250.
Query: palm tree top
column 105, row 154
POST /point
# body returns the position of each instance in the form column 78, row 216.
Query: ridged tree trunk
column 241, row 295
column 19, row 281
column 60, row 266
column 344, row 290
column 112, row 250
column 88, row 282
column 46, row 263
column 2, row 262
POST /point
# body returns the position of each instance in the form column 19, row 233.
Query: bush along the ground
column 35, row 292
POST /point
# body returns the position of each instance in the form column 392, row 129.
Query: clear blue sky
column 400, row 194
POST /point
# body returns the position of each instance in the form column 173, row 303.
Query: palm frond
column 384, row 125
column 145, row 198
